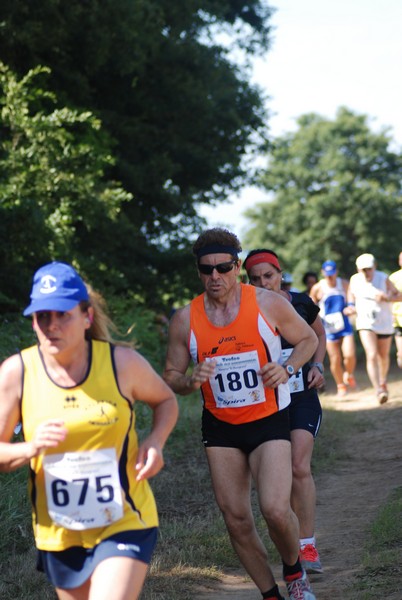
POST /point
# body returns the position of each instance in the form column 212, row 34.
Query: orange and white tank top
column 235, row 393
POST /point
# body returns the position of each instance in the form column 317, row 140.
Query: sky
column 325, row 54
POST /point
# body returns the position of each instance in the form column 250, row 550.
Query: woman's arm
column 315, row 375
column 283, row 317
column 139, row 382
column 48, row 435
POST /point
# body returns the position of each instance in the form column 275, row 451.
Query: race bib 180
column 236, row 383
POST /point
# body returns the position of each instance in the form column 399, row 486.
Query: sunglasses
column 224, row 267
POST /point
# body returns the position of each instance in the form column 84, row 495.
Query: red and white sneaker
column 310, row 559
column 342, row 390
column 350, row 381
column 299, row 588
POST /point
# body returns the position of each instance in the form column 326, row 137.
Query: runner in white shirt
column 370, row 296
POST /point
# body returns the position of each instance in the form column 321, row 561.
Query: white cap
column 365, row 261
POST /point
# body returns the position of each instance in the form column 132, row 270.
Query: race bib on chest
column 371, row 311
column 334, row 322
column 236, row 383
column 295, row 383
column 83, row 488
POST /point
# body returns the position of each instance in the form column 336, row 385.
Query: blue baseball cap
column 56, row 286
column 287, row 278
column 329, row 267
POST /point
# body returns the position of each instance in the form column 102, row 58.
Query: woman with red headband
column 263, row 270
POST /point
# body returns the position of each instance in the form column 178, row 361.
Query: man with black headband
column 231, row 332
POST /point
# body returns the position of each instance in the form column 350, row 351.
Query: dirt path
column 347, row 499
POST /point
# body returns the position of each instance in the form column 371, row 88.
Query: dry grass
column 382, row 564
column 193, row 545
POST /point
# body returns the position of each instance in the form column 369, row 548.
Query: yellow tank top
column 235, row 394
column 84, row 490
column 396, row 279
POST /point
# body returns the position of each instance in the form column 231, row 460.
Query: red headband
column 262, row 257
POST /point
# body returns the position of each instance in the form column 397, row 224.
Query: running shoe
column 299, row 589
column 310, row 559
column 349, row 380
column 382, row 393
column 342, row 390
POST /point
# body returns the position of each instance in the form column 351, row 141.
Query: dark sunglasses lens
column 224, row 267
column 205, row 269
column 221, row 268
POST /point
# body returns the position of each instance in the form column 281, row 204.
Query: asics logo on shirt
column 227, row 339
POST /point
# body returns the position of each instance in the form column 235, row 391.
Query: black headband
column 216, row 249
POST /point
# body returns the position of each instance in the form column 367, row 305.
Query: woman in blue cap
column 94, row 515
column 330, row 293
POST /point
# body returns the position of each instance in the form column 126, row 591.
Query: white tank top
column 370, row 314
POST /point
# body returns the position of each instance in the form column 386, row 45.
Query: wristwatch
column 319, row 366
column 289, row 370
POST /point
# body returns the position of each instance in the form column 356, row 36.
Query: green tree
column 54, row 201
column 334, row 192
column 183, row 114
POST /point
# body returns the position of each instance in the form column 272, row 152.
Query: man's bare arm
column 178, row 357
